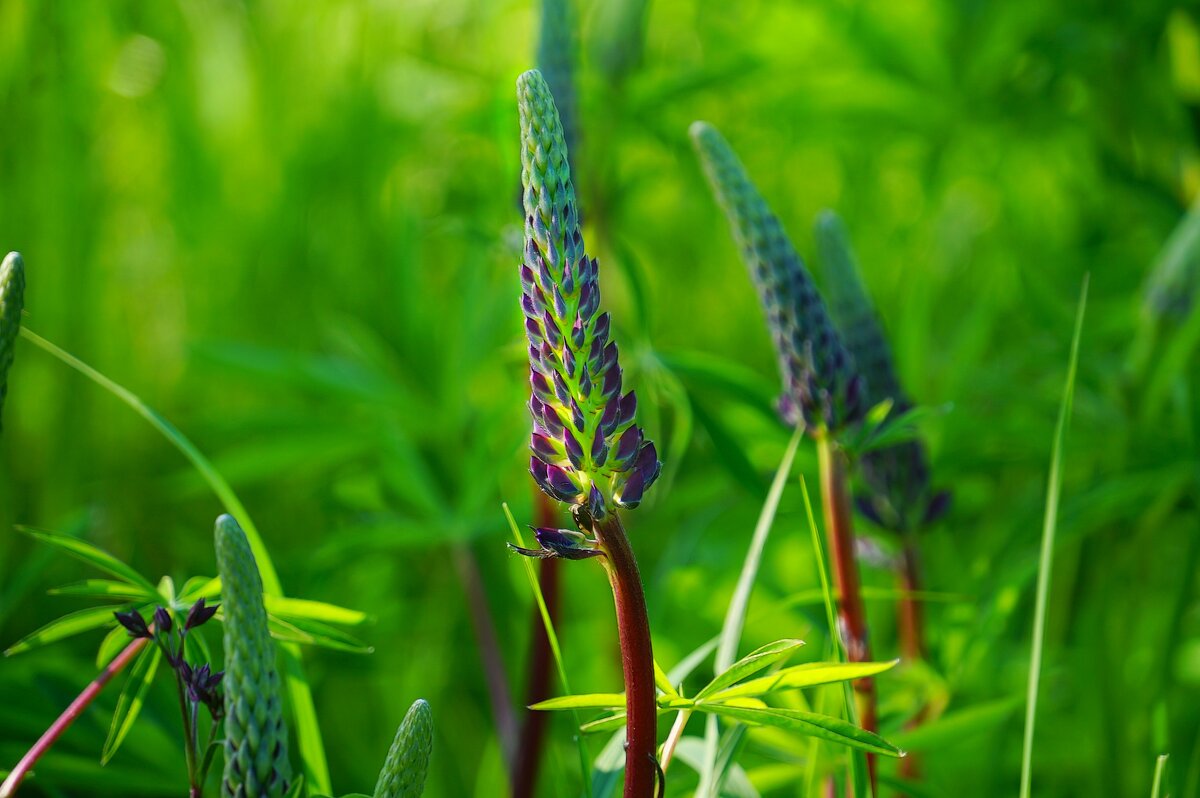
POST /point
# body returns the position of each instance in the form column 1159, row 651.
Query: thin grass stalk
column 494, row 673
column 1046, row 561
column 531, row 745
column 852, row 614
column 69, row 715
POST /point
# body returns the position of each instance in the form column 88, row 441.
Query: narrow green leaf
column 1049, row 528
column 133, row 696
column 200, row 587
column 811, row 724
column 104, row 588
column 752, row 663
column 810, row 674
column 312, row 633
column 1160, row 766
column 608, row 723
column 86, row 552
column 664, row 682
column 113, row 644
column 584, row 701
column 314, row 611
column 64, row 627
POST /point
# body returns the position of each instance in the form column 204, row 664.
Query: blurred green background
column 291, row 227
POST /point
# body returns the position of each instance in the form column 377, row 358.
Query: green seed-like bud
column 820, row 384
column 556, row 61
column 403, row 774
column 586, row 449
column 896, row 477
column 12, row 301
column 256, row 756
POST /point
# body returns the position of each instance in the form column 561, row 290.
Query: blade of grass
column 552, row 636
column 304, row 712
column 1049, row 527
column 735, row 616
column 1159, row 767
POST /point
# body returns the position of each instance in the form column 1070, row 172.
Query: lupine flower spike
column 12, row 302
column 556, row 61
column 898, row 496
column 587, row 451
column 820, row 385
column 403, row 774
column 256, row 758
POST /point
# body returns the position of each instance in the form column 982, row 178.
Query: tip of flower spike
column 13, row 260
column 700, row 129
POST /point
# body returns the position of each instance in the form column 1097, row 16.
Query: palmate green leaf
column 810, row 674
column 133, row 696
column 303, row 609
column 199, row 587
column 64, row 627
column 752, row 663
column 104, row 588
column 811, row 724
column 90, row 554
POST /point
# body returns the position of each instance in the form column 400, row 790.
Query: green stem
column 637, row 658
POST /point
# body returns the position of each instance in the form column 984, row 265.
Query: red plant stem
column 540, row 667
column 910, row 621
column 852, row 613
column 64, row 721
column 489, row 651
column 637, row 658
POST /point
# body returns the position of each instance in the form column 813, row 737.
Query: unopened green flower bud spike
column 404, row 770
column 587, row 451
column 256, row 745
column 12, row 301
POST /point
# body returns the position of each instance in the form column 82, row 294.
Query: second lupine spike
column 897, row 477
column 12, row 302
column 820, row 384
column 256, row 745
column 404, row 770
column 587, row 451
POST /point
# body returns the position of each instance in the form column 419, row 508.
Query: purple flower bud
column 560, row 389
column 568, row 280
column 561, row 484
column 610, row 357
column 199, row 614
column 544, row 448
column 533, row 332
column 162, row 619
column 627, row 446
column 574, row 450
column 596, row 506
column 631, row 493
column 595, row 352
column 938, row 506
column 554, row 424
column 578, row 333
column 541, row 387
column 585, row 383
column 612, row 383
column 608, row 419
column 528, row 282
column 133, row 623
column 647, row 464
column 553, row 334
column 601, row 328
column 560, row 304
column 577, row 418
column 569, row 361
column 628, row 409
column 589, row 300
column 529, row 307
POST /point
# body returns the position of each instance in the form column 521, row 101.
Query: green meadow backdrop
column 292, row 228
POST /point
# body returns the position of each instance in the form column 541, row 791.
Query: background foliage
column 292, row 229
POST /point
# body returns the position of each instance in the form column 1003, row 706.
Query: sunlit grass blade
column 133, row 696
column 552, row 637
column 308, row 732
column 305, row 609
column 67, row 626
column 1160, row 767
column 1046, row 563
column 104, row 589
column 86, row 552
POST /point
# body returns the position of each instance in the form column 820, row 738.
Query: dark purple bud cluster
column 586, row 449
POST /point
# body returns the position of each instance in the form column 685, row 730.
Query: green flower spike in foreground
column 256, row 758
column 403, row 774
column 587, row 451
column 12, row 301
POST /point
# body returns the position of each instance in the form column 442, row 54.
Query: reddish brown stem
column 64, row 721
column 637, row 658
column 910, row 620
column 489, row 651
column 541, row 665
column 852, row 613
